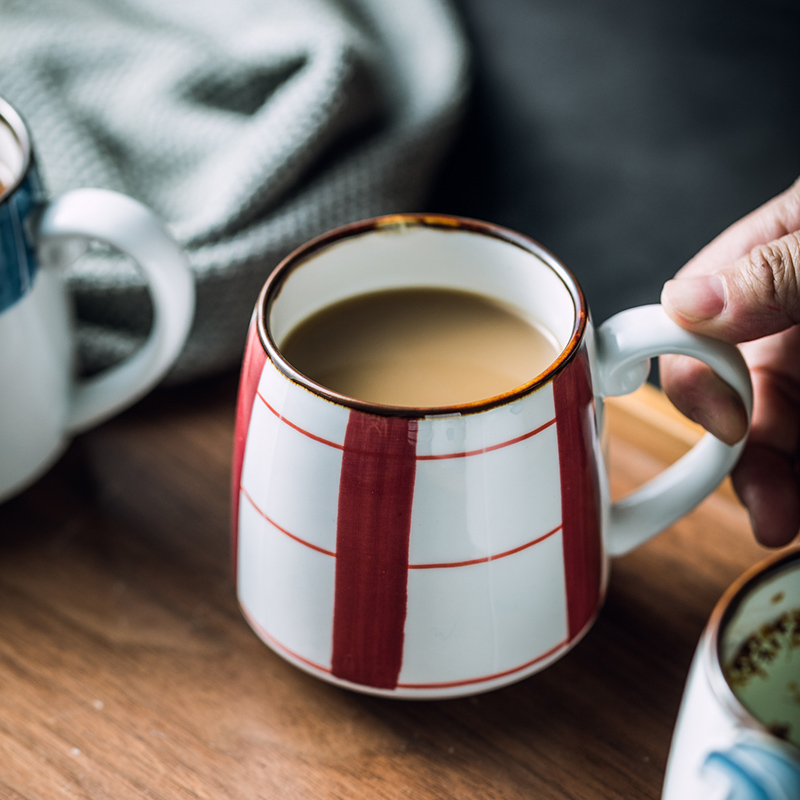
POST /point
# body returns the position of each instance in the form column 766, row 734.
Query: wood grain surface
column 127, row 671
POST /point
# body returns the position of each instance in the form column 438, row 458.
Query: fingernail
column 695, row 299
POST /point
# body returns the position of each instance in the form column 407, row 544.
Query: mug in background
column 41, row 401
column 738, row 730
column 436, row 552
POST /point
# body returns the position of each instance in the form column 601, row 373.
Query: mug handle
column 625, row 344
column 754, row 772
column 66, row 227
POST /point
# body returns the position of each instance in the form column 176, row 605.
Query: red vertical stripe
column 254, row 359
column 580, row 491
column 372, row 538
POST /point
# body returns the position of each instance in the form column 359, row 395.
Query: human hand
column 744, row 287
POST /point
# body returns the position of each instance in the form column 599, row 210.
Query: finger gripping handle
column 625, row 344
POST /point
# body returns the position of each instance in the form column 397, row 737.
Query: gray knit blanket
column 248, row 126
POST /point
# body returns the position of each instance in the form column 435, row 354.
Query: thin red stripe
column 485, row 559
column 376, row 491
column 298, row 428
column 443, row 685
column 419, row 458
column 491, row 448
column 275, row 643
column 484, row 678
column 443, row 565
column 283, row 530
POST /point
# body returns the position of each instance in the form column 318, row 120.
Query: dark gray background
column 623, row 134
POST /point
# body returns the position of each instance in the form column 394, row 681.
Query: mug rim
column 11, row 118
column 305, row 252
column 723, row 612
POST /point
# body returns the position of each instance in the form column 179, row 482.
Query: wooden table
column 127, row 671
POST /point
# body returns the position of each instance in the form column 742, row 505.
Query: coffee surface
column 420, row 347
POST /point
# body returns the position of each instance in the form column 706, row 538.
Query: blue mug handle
column 756, row 772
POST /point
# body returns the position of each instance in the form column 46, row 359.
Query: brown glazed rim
column 275, row 282
column 722, row 614
column 17, row 126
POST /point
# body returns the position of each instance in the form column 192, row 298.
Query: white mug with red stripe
column 429, row 553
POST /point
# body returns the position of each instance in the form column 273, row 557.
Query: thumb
column 757, row 295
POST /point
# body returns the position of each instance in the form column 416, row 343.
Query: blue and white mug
column 42, row 401
column 738, row 731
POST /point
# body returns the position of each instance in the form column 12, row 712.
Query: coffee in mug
column 423, row 347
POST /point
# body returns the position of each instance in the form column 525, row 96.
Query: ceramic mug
column 738, row 730
column 42, row 402
column 436, row 552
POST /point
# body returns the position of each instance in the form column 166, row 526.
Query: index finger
column 773, row 220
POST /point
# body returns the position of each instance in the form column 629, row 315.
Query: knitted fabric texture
column 248, row 126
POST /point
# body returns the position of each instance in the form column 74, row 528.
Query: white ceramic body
column 429, row 553
column 719, row 751
column 42, row 401
column 36, row 361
